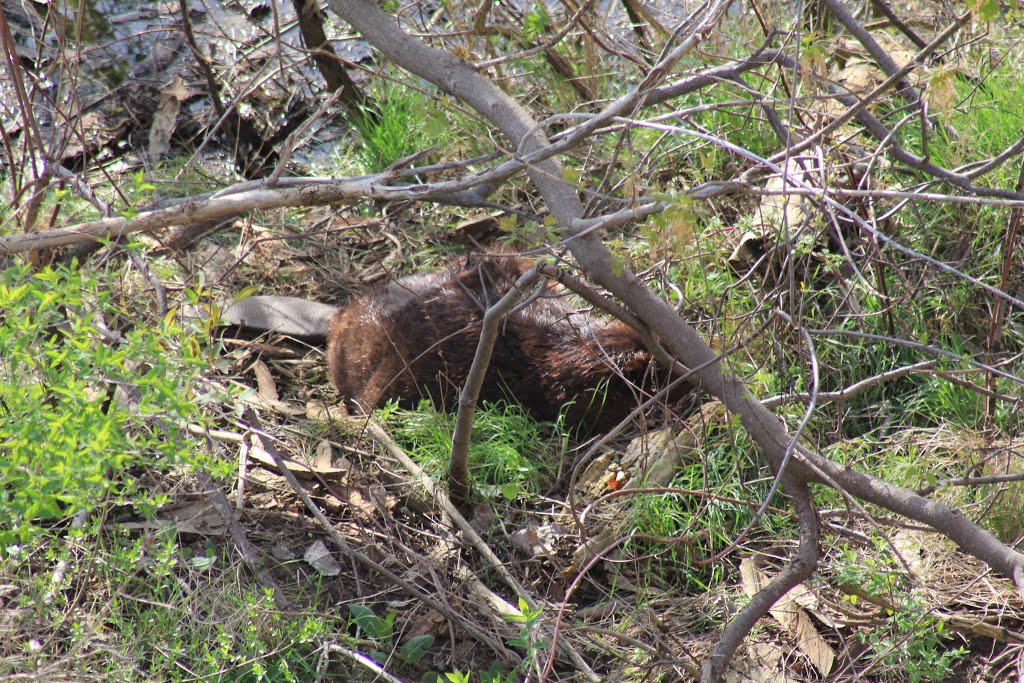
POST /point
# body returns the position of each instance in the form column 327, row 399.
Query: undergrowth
column 102, row 404
column 509, row 454
column 82, row 404
column 91, row 418
column 673, row 529
column 910, row 643
column 134, row 607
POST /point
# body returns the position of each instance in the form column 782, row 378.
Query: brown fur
column 416, row 337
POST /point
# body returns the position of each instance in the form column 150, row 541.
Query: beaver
column 415, row 338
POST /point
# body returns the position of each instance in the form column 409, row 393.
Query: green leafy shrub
column 909, row 640
column 80, row 404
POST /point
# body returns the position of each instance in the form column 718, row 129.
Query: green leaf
column 372, row 625
column 202, row 562
column 510, row 491
column 414, row 649
column 987, row 10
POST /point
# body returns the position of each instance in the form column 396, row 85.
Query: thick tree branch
column 864, row 37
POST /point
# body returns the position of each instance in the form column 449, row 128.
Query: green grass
column 404, row 122
column 986, row 117
column 136, row 607
column 509, row 452
column 710, row 523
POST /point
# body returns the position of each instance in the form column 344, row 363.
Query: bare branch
column 798, row 569
column 458, row 475
column 346, row 548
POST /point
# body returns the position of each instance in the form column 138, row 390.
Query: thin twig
column 250, row 416
column 245, row 550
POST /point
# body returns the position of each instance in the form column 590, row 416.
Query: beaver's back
column 416, row 337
